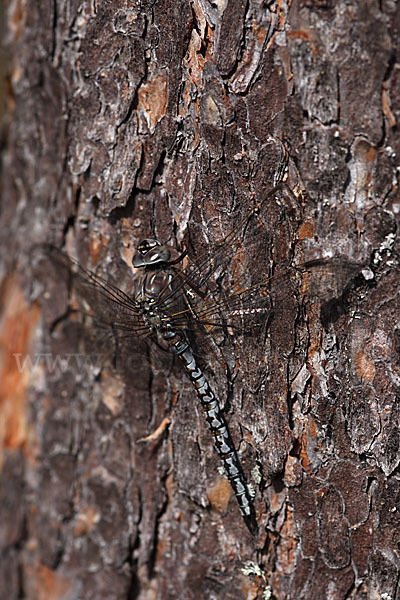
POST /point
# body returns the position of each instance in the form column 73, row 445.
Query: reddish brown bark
column 133, row 118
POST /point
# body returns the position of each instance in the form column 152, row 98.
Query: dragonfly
column 177, row 301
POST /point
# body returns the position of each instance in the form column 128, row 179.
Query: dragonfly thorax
column 155, row 318
column 159, row 324
column 153, row 285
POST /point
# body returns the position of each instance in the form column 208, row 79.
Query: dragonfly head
column 150, row 252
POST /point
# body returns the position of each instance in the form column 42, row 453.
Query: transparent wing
column 213, row 294
column 96, row 298
column 104, row 321
column 246, row 309
column 230, row 254
column 251, row 264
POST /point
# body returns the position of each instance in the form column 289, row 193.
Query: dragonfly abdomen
column 222, row 440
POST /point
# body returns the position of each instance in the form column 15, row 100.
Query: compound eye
column 161, row 254
column 146, row 245
column 150, row 252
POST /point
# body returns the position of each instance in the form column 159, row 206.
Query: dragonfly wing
column 93, row 296
column 106, row 322
column 232, row 254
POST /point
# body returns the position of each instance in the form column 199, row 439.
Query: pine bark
column 133, row 119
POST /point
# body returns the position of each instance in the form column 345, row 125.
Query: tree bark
column 129, row 120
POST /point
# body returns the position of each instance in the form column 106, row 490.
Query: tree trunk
column 173, row 119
